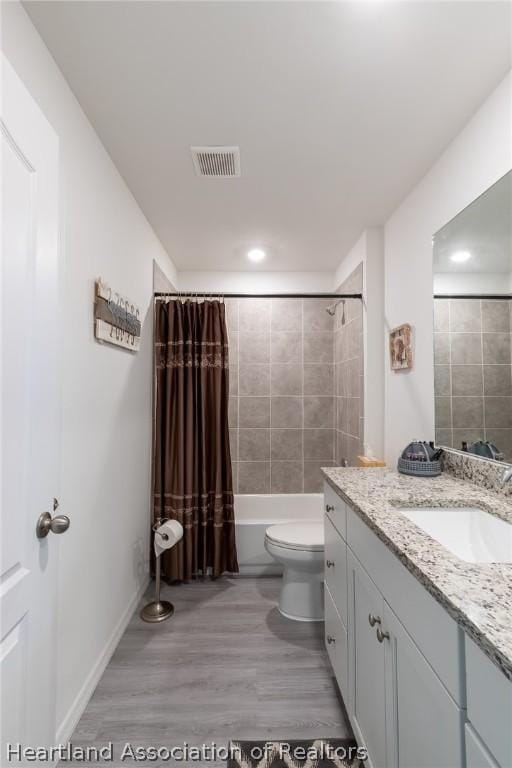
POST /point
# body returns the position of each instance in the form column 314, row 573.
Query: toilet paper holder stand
column 157, row 610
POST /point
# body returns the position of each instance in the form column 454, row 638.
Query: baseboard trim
column 68, row 725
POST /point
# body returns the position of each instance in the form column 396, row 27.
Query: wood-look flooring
column 226, row 666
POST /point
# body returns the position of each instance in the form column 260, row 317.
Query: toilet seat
column 306, row 537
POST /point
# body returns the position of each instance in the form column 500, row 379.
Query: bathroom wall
column 282, row 393
column 349, row 378
column 106, row 417
column 478, row 157
column 472, row 374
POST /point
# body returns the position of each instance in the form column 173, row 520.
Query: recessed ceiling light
column 460, row 256
column 256, row 254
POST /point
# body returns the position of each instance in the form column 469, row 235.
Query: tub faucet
column 506, row 477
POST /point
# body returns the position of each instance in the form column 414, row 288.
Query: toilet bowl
column 299, row 548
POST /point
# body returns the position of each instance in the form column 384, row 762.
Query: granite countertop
column 477, row 596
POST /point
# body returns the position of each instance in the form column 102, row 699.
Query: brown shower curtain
column 192, row 462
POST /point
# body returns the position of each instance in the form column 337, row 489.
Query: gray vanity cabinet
column 367, row 680
column 425, row 725
column 401, row 678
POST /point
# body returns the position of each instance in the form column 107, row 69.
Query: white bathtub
column 254, row 514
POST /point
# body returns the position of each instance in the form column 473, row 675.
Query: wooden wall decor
column 116, row 318
column 400, row 347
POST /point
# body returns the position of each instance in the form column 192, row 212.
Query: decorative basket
column 419, row 468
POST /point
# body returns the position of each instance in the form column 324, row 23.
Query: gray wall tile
column 316, row 317
column 467, row 412
column 496, row 316
column 465, row 315
column 318, row 444
column 496, row 347
column 442, row 385
column 254, row 348
column 313, row 478
column 254, row 380
column 254, row 315
column 286, row 444
column 286, row 477
column 254, row 412
column 466, row 348
column 254, row 477
column 441, row 348
column 467, row 380
column 286, row 315
column 472, row 373
column 498, row 412
column 286, row 347
column 285, row 379
column 443, row 406
column 254, row 444
column 442, row 315
column 318, row 347
column 497, row 380
column 286, row 412
column 318, row 379
column 318, row 411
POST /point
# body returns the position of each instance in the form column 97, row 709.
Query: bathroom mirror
column 472, row 260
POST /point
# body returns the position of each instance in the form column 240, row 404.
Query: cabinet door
column 367, row 699
column 336, row 567
column 336, row 643
column 425, row 726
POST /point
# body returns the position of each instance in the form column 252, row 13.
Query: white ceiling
column 338, row 109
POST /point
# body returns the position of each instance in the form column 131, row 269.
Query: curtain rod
column 501, row 296
column 195, row 295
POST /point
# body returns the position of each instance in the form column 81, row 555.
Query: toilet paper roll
column 167, row 535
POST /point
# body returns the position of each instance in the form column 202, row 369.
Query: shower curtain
column 192, row 462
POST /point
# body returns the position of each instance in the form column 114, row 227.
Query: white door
column 30, row 417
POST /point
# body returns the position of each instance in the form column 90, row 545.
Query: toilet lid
column 307, row 536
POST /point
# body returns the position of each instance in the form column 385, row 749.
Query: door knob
column 329, row 563
column 381, row 636
column 373, row 620
column 331, row 639
column 329, row 508
column 47, row 523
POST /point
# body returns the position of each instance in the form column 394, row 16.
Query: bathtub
column 254, row 514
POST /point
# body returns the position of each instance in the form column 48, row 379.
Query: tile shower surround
column 473, row 381
column 349, row 368
column 282, row 407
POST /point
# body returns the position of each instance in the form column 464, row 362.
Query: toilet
column 299, row 548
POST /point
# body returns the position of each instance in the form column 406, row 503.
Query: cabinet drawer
column 336, row 643
column 336, row 510
column 477, row 756
column 489, row 695
column 336, row 568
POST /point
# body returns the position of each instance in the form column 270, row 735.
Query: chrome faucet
column 506, row 476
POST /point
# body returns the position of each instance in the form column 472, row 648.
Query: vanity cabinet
column 400, row 707
column 367, row 680
column 425, row 725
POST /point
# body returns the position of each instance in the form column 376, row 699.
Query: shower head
column 331, row 309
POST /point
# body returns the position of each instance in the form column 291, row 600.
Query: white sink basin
column 469, row 533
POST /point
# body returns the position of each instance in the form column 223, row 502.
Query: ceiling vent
column 216, row 162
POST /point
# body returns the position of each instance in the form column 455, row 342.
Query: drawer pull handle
column 329, row 508
column 381, row 636
column 329, row 563
column 330, row 639
column 373, row 620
